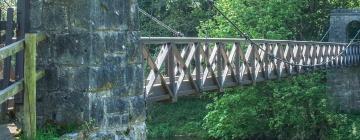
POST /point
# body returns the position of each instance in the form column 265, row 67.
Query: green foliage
column 166, row 120
column 182, row 15
column 52, row 131
column 4, row 5
column 346, row 128
column 274, row 19
column 295, row 108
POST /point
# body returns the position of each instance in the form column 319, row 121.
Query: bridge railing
column 26, row 84
column 183, row 66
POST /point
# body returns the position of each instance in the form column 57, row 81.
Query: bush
column 294, row 108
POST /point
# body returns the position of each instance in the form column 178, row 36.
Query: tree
column 182, row 15
column 275, row 19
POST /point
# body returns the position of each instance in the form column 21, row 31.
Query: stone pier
column 340, row 20
column 344, row 89
column 94, row 66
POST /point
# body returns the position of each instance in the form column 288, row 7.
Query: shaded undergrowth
column 182, row 119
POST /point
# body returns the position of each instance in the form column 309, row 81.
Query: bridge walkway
column 179, row 66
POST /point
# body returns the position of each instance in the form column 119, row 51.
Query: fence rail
column 26, row 84
column 182, row 66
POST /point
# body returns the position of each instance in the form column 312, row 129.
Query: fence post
column 30, row 87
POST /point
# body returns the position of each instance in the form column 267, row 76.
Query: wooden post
column 30, row 87
column 220, row 66
column 237, row 62
column 171, row 71
column 198, row 66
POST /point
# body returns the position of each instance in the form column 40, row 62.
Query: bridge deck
column 182, row 66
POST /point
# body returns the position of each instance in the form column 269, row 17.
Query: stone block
column 73, row 78
column 116, row 105
column 117, row 122
column 137, row 109
column 72, row 49
column 108, row 78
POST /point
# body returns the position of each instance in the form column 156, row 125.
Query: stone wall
column 339, row 21
column 344, row 89
column 94, row 65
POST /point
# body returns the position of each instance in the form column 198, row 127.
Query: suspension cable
column 176, row 33
column 327, row 32
column 271, row 55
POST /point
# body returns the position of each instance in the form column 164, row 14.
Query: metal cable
column 327, row 32
column 271, row 55
column 176, row 33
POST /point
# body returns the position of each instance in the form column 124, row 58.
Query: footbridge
column 85, row 62
column 180, row 66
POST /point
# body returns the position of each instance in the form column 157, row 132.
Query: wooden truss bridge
column 183, row 66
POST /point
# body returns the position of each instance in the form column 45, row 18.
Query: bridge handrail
column 185, row 40
column 28, row 83
column 178, row 66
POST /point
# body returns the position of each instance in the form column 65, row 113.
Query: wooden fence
column 182, row 66
column 12, row 30
column 26, row 84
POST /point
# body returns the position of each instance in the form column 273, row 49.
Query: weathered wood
column 198, row 66
column 171, row 69
column 17, row 87
column 186, row 40
column 155, row 72
column 30, row 87
column 11, row 49
column 20, row 35
column 8, row 40
column 185, row 71
column 9, row 33
column 209, row 66
column 219, row 63
column 237, row 62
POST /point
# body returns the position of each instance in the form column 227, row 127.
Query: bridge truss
column 183, row 66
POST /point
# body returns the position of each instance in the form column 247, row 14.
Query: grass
column 164, row 121
column 183, row 118
column 52, row 132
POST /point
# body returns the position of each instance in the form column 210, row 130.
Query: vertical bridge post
column 30, row 86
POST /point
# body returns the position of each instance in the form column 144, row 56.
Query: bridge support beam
column 343, row 87
column 94, row 69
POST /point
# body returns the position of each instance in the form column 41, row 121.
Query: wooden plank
column 17, row 87
column 219, row 65
column 185, row 71
column 20, row 34
column 198, row 66
column 9, row 35
column 237, row 61
column 11, row 90
column 260, row 57
column 267, row 61
column 253, row 63
column 11, row 49
column 245, row 68
column 185, row 40
column 278, row 65
column 155, row 66
column 209, row 65
column 30, row 87
column 228, row 60
column 171, row 71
